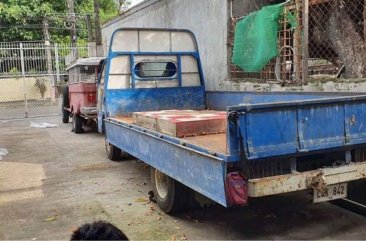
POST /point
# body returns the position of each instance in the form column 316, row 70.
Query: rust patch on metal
column 318, row 182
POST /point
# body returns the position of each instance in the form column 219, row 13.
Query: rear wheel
column 113, row 152
column 171, row 196
column 77, row 122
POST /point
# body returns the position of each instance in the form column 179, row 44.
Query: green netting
column 255, row 42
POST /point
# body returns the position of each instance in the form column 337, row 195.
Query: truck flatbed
column 275, row 142
column 215, row 143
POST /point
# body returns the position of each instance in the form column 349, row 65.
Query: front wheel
column 65, row 115
column 65, row 104
column 113, row 152
column 171, row 196
column 77, row 123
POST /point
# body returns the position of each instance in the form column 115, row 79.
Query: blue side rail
column 267, row 130
column 191, row 165
column 289, row 128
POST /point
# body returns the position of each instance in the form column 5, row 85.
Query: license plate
column 331, row 192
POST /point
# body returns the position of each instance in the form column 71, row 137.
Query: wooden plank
column 182, row 123
column 317, row 2
column 213, row 142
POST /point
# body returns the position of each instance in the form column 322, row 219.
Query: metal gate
column 32, row 76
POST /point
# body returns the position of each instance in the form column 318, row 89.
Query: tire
column 65, row 103
column 65, row 115
column 77, row 124
column 113, row 152
column 171, row 196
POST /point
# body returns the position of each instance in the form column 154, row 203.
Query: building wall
column 207, row 19
column 210, row 20
column 244, row 7
column 12, row 89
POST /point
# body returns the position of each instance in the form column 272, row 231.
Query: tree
column 21, row 20
column 123, row 5
column 338, row 34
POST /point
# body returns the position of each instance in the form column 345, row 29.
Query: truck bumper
column 317, row 179
column 88, row 110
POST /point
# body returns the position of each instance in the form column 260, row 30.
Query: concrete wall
column 244, row 7
column 206, row 18
column 341, row 85
column 209, row 20
column 12, row 89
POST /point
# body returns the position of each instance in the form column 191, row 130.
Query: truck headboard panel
column 123, row 103
column 153, row 69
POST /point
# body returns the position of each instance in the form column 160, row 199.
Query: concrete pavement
column 53, row 180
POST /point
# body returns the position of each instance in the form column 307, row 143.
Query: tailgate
column 284, row 128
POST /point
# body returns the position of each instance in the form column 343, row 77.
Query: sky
column 134, row 2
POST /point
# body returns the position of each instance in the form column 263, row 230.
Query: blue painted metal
column 123, row 102
column 179, row 63
column 173, row 53
column 219, row 100
column 133, row 75
column 271, row 124
column 100, row 102
column 355, row 125
column 286, row 128
column 100, row 122
column 197, row 170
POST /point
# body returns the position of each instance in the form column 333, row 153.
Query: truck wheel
column 77, row 123
column 113, row 152
column 65, row 103
column 171, row 196
column 65, row 115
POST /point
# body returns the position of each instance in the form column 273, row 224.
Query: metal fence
column 336, row 38
column 32, row 76
column 287, row 67
column 328, row 43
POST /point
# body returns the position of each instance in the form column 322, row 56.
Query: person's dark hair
column 98, row 230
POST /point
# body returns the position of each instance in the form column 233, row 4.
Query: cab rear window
column 146, row 70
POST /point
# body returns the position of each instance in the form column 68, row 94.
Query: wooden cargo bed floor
column 212, row 142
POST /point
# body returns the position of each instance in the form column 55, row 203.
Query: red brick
column 181, row 123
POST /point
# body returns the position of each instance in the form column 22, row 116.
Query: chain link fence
column 336, row 39
column 328, row 43
column 32, row 76
column 287, row 67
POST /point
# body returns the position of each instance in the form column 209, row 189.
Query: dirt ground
column 53, row 180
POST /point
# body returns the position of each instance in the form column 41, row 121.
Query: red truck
column 80, row 95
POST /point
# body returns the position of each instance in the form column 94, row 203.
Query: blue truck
column 280, row 142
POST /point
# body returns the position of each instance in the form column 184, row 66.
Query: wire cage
column 328, row 43
column 336, row 39
column 287, row 67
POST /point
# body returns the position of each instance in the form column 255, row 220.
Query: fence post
column 297, row 43
column 23, row 78
column 57, row 63
column 305, row 44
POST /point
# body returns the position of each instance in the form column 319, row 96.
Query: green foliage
column 123, row 4
column 14, row 71
column 21, row 20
